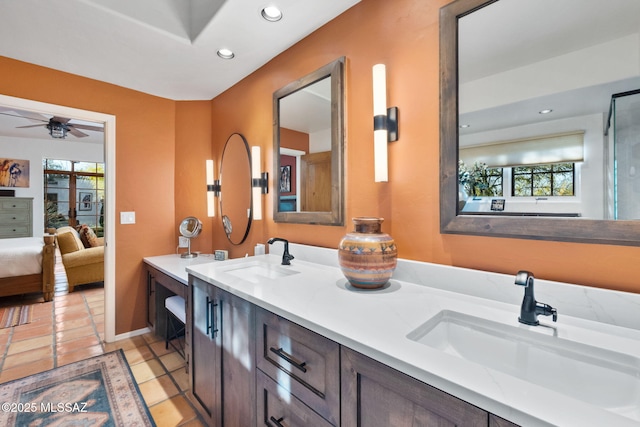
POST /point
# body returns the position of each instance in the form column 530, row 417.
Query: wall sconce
column 213, row 188
column 259, row 182
column 385, row 123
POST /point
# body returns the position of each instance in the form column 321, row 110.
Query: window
column 543, row 180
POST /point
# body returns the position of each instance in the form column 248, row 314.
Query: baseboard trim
column 132, row 334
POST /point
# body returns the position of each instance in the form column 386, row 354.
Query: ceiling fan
column 58, row 126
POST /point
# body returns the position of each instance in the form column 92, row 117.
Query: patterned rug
column 99, row 391
column 15, row 316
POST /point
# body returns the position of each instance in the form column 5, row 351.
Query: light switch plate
column 127, row 217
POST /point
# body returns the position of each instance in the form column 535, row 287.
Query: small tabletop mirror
column 190, row 227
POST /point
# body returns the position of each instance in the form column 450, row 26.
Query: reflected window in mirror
column 308, row 148
column 532, row 92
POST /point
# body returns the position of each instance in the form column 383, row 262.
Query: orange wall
column 403, row 34
column 145, row 168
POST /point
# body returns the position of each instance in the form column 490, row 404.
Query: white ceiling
column 161, row 47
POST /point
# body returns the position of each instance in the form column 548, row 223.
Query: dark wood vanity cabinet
column 222, row 374
column 375, row 395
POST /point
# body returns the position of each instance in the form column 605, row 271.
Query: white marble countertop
column 175, row 266
column 376, row 323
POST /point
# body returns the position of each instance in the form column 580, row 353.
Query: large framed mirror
column 235, row 189
column 540, row 112
column 308, row 135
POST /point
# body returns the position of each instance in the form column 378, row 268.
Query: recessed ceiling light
column 225, row 53
column 464, row 126
column 271, row 13
column 545, row 111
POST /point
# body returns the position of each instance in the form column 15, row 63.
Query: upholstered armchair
column 82, row 264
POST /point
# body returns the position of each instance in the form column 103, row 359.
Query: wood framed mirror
column 308, row 141
column 466, row 96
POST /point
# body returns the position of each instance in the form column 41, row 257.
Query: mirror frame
column 613, row 232
column 334, row 70
column 249, row 183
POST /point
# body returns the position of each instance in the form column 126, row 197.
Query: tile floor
column 71, row 328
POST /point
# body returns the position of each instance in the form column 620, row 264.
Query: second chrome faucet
column 530, row 307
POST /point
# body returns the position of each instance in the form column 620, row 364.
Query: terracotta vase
column 367, row 256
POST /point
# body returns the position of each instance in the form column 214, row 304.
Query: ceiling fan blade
column 87, row 127
column 76, row 132
column 30, row 126
column 12, row 113
column 60, row 119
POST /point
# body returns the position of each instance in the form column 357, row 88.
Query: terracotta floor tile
column 138, row 354
column 30, row 356
column 26, row 370
column 30, row 344
column 181, row 377
column 74, row 356
column 77, row 344
column 172, row 412
column 158, row 389
column 126, row 344
column 147, row 370
column 159, row 349
column 172, row 361
column 151, row 338
column 193, row 423
column 73, row 324
column 71, row 315
column 31, row 330
column 63, row 336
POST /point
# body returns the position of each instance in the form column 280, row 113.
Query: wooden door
column 316, row 182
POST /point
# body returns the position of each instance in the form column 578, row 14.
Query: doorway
column 109, row 188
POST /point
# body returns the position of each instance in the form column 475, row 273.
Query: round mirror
column 235, row 189
column 190, row 227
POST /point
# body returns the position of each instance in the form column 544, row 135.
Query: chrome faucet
column 530, row 307
column 286, row 256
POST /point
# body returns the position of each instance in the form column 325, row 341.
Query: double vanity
column 272, row 344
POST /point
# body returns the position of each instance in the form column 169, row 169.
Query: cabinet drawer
column 303, row 362
column 11, row 204
column 14, row 217
column 277, row 408
column 15, row 231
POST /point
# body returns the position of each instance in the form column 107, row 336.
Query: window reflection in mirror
column 498, row 75
column 308, row 145
column 535, row 93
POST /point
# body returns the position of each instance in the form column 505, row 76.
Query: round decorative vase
column 367, row 256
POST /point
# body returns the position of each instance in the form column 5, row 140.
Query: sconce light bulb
column 256, row 192
column 211, row 204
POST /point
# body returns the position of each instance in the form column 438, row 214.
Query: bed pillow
column 88, row 237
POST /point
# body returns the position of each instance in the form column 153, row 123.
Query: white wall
column 35, row 150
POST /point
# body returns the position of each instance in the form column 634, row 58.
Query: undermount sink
column 256, row 272
column 600, row 377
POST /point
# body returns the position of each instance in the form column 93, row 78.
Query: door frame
column 110, row 192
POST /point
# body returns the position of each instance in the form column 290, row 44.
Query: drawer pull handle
column 277, row 422
column 289, row 358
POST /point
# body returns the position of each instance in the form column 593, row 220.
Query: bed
column 27, row 266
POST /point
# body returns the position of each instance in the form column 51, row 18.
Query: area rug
column 99, row 391
column 16, row 316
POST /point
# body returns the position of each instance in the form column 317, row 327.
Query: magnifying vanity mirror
column 190, row 227
column 235, row 189
column 540, row 112
column 308, row 136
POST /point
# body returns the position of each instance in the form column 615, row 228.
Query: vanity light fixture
column 385, row 123
column 259, row 182
column 225, row 53
column 271, row 14
column 213, row 188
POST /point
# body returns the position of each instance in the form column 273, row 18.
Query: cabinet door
column 237, row 326
column 375, row 395
column 205, row 350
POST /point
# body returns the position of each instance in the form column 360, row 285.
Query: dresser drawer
column 276, row 408
column 303, row 362
column 16, row 217
column 14, row 231
column 10, row 204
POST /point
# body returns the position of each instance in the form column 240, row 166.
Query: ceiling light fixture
column 57, row 129
column 464, row 126
column 271, row 14
column 225, row 53
column 545, row 111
